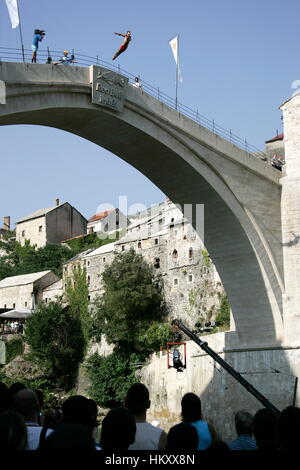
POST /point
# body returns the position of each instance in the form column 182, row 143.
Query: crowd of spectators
column 24, row 426
column 9, row 327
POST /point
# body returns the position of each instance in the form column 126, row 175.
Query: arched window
column 88, row 280
column 175, row 254
column 139, row 244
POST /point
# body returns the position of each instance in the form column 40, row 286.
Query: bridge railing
column 8, row 54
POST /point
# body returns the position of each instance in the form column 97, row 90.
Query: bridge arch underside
column 181, row 173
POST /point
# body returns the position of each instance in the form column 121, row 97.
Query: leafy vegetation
column 76, row 297
column 111, row 377
column 206, row 258
column 27, row 259
column 131, row 302
column 223, row 315
column 90, row 241
column 13, row 348
column 57, row 342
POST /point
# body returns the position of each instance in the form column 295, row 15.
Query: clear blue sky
column 238, row 60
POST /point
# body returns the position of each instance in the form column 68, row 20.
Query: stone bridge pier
column 290, row 220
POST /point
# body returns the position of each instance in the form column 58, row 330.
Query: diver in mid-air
column 127, row 39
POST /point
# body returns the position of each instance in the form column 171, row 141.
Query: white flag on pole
column 174, row 46
column 12, row 6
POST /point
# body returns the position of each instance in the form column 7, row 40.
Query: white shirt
column 146, row 438
column 33, row 435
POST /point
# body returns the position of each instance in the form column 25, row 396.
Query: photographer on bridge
column 38, row 37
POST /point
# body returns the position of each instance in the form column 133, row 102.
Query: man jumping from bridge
column 127, row 39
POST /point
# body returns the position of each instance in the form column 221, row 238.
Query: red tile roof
column 100, row 216
column 73, row 238
column 277, row 137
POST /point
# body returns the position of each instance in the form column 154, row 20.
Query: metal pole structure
column 203, row 345
column 20, row 29
column 176, row 100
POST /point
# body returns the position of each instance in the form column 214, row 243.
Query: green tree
column 76, row 296
column 224, row 312
column 111, row 377
column 25, row 259
column 131, row 301
column 57, row 342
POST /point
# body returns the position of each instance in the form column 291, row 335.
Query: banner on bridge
column 109, row 88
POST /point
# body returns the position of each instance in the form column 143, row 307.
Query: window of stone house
column 88, row 263
column 88, row 280
column 123, row 247
column 139, row 244
column 175, row 281
column 175, row 254
column 156, row 241
column 25, row 304
column 157, row 263
column 40, row 228
column 204, row 270
column 190, row 278
column 190, row 253
column 105, row 228
column 66, row 269
column 4, row 306
column 23, row 233
column 14, row 305
column 89, row 297
column 104, row 259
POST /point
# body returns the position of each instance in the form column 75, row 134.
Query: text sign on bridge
column 109, row 88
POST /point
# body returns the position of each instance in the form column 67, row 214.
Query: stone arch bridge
column 192, row 165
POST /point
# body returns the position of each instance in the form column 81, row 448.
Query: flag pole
column 177, row 71
column 21, row 37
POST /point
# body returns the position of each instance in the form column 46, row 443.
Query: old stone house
column 190, row 282
column 26, row 290
column 107, row 221
column 51, row 225
column 52, row 292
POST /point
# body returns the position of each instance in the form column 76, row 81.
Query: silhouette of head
column 265, row 429
column 191, row 408
column 243, row 423
column 137, row 399
column 26, row 403
column 182, row 436
column 118, row 430
column 289, row 425
column 78, row 409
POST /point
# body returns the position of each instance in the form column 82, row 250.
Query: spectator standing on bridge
column 38, row 37
column 125, row 44
column 137, row 83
